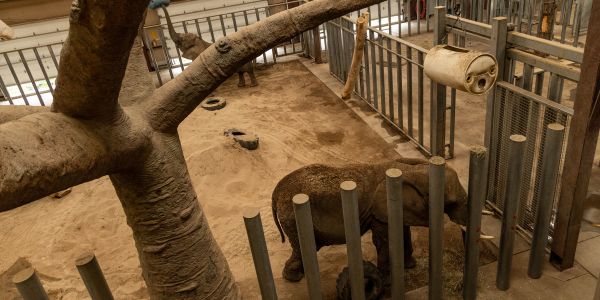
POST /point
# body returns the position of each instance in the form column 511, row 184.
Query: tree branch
column 174, row 101
column 95, row 55
column 14, row 112
column 45, row 153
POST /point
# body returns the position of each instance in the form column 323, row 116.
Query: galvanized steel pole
column 597, row 294
column 395, row 230
column 308, row 247
column 29, row 285
column 550, row 163
column 260, row 255
column 477, row 191
column 511, row 203
column 92, row 277
column 352, row 230
column 436, row 226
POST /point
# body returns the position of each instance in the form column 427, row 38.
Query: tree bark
column 178, row 254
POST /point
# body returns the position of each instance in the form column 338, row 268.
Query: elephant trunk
column 174, row 35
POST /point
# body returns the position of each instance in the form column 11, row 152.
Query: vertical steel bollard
column 509, row 217
column 260, row 255
column 477, row 190
column 395, row 230
column 437, row 177
column 352, row 230
column 597, row 294
column 550, row 163
column 92, row 277
column 29, row 285
column 308, row 247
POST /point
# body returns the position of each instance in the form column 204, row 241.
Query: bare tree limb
column 95, row 55
column 44, row 153
column 14, row 112
column 174, row 101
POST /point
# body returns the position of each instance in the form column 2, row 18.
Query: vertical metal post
column 409, row 88
column 437, row 177
column 396, row 230
column 308, row 247
column 597, row 294
column 511, row 203
column 498, row 49
column 29, row 285
column 352, row 230
column 420, row 97
column 260, row 255
column 477, row 190
column 438, row 106
column 549, row 168
column 92, row 277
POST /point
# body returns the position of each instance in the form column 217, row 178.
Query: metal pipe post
column 597, row 294
column 437, row 177
column 92, row 277
column 260, row 255
column 477, row 191
column 352, row 230
column 395, row 230
column 438, row 105
column 511, row 203
column 550, row 163
column 308, row 247
column 29, row 285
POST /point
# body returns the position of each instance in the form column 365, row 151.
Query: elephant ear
column 380, row 203
column 418, row 178
column 454, row 191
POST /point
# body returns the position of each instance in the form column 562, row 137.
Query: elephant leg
column 242, row 81
column 294, row 270
column 409, row 260
column 380, row 240
column 253, row 81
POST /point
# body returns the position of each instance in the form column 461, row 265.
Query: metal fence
column 391, row 80
column 527, row 15
column 518, row 111
column 170, row 62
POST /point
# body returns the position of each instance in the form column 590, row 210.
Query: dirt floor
column 299, row 122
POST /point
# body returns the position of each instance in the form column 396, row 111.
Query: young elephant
column 322, row 184
column 192, row 45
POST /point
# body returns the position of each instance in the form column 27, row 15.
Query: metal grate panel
column 517, row 111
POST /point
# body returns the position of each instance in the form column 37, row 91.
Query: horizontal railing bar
column 549, row 65
column 542, row 45
column 523, row 40
column 478, row 28
column 536, row 98
column 396, row 54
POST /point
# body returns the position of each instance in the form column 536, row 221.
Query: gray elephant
column 322, row 184
column 192, row 45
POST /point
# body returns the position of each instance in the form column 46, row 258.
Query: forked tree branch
column 95, row 55
column 44, row 153
column 174, row 101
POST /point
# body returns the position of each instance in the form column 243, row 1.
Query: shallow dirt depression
column 299, row 121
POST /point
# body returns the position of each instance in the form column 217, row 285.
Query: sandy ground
column 299, row 122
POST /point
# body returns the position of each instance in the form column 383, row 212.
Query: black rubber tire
column 213, row 103
column 373, row 283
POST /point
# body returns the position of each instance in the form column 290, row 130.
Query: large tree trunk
column 178, row 254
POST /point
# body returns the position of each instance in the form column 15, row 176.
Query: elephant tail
column 274, row 208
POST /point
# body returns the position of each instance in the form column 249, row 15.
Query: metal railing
column 533, row 73
column 391, row 80
column 526, row 15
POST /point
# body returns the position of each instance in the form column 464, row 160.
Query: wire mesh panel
column 518, row 111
